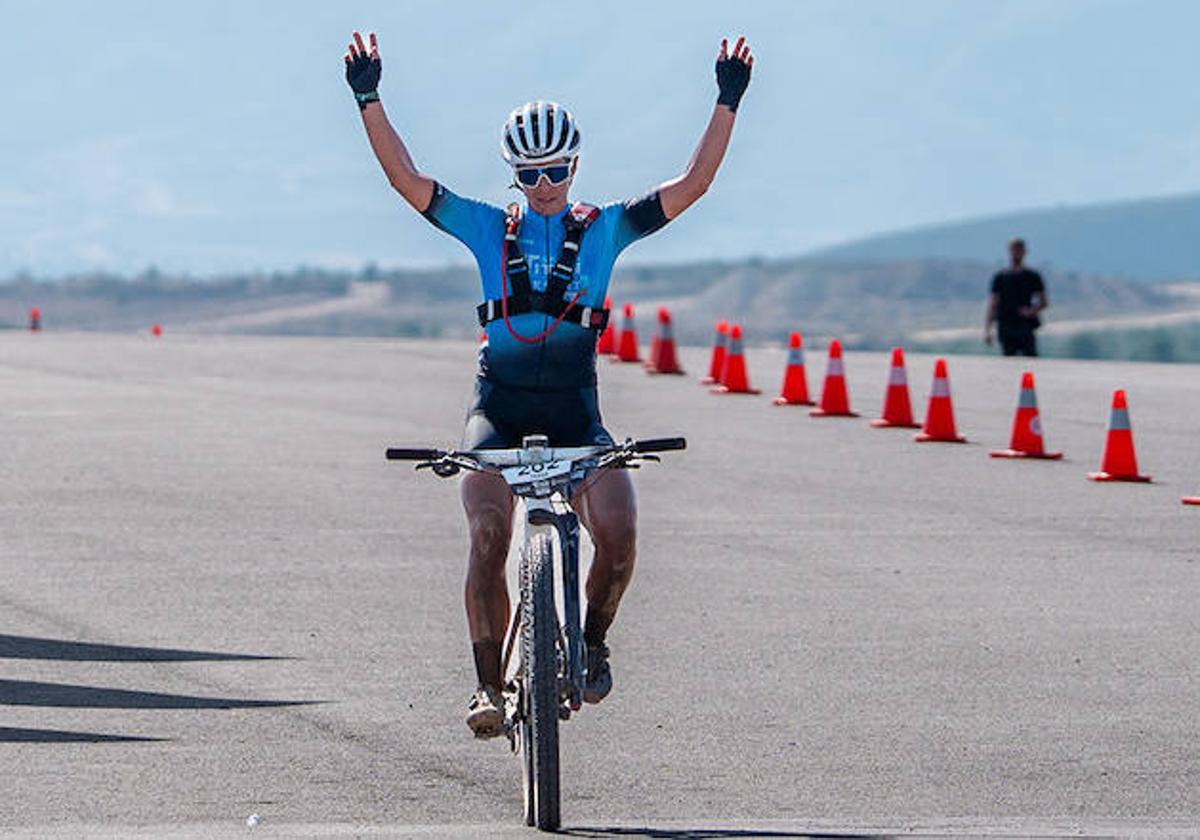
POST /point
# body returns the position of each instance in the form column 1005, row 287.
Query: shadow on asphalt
column 9, row 735
column 28, row 647
column 21, row 693
column 709, row 833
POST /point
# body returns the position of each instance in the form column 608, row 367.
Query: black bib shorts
column 500, row 415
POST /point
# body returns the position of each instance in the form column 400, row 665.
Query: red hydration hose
column 511, row 228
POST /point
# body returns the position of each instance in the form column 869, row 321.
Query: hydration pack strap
column 551, row 302
column 584, row 316
column 576, row 223
column 517, row 268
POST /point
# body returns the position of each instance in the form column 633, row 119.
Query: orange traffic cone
column 795, row 383
column 655, row 340
column 939, row 416
column 1027, row 427
column 607, row 345
column 35, row 319
column 733, row 377
column 835, row 402
column 1119, row 462
column 717, row 364
column 662, row 351
column 627, row 344
column 897, row 408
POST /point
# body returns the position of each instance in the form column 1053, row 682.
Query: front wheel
column 539, row 677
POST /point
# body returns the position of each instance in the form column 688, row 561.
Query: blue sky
column 220, row 136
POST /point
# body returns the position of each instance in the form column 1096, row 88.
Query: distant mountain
column 868, row 304
column 1149, row 239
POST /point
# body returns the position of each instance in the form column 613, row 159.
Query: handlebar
column 447, row 463
column 401, row 454
column 659, row 444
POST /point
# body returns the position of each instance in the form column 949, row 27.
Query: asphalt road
column 217, row 599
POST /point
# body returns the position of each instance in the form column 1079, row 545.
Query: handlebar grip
column 660, row 444
column 413, row 454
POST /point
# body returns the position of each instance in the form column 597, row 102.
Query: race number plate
column 540, row 471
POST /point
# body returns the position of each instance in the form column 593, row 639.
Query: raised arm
column 363, row 71
column 733, row 75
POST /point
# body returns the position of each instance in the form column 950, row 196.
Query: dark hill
column 1148, row 239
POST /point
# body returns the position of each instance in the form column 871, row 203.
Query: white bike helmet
column 539, row 132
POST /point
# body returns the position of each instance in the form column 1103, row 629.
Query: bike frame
column 546, row 511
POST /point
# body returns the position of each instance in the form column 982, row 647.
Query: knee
column 617, row 538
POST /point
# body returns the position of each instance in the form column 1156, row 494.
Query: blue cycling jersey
column 567, row 357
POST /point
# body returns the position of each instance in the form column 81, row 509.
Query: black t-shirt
column 1014, row 288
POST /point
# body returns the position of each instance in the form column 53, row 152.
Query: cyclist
column 545, row 272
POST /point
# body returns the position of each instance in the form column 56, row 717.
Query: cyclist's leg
column 607, row 507
column 489, row 506
column 609, row 512
column 488, row 503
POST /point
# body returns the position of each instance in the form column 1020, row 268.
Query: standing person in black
column 1018, row 296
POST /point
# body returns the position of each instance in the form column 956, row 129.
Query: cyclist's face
column 545, row 197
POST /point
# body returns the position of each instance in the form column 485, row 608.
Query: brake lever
column 442, row 469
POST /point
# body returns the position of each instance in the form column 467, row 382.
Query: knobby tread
column 539, row 637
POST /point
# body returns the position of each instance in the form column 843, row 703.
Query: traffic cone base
column 1103, row 476
column 1013, row 453
column 880, row 423
column 820, row 412
column 782, row 401
column 925, row 437
column 1191, row 500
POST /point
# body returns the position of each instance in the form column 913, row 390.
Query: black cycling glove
column 733, row 76
column 363, row 72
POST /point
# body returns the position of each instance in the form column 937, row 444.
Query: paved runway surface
column 217, row 599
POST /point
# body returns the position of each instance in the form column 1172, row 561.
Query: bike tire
column 540, row 658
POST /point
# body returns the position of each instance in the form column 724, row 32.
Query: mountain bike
column 548, row 681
